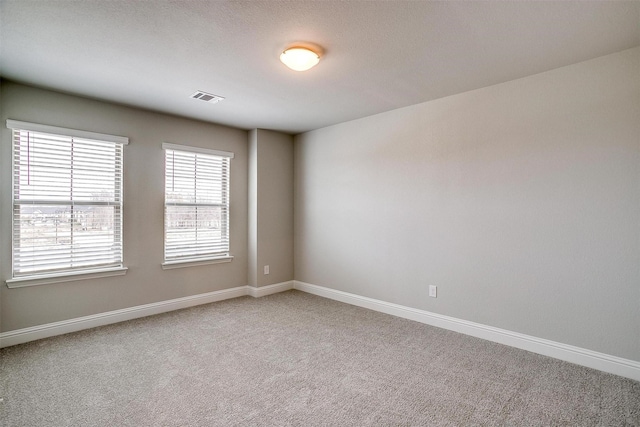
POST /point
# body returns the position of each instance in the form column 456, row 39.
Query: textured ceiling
column 378, row 55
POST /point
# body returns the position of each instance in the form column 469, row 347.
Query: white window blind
column 196, row 203
column 67, row 200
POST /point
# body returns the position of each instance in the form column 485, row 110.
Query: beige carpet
column 297, row 359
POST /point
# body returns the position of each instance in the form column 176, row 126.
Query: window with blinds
column 67, row 200
column 196, row 212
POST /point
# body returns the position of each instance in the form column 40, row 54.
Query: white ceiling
column 379, row 55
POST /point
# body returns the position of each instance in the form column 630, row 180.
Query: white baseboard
column 262, row 291
column 20, row 336
column 580, row 356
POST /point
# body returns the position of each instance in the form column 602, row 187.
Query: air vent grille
column 207, row 97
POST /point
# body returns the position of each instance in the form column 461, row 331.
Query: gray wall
column 145, row 282
column 270, row 207
column 520, row 201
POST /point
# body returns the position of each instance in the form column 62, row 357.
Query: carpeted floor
column 294, row 359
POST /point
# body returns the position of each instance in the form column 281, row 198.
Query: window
column 196, row 211
column 67, row 201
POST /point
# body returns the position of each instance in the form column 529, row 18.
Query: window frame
column 204, row 259
column 78, row 273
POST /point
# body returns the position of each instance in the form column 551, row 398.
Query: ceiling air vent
column 207, row 97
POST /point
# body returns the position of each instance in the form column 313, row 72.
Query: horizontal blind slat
column 196, row 205
column 67, row 198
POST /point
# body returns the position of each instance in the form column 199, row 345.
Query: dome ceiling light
column 300, row 58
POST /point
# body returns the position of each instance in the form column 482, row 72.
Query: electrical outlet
column 266, row 269
column 433, row 291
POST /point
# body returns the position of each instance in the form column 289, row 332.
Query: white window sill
column 168, row 265
column 46, row 279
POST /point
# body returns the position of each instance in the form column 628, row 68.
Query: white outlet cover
column 266, row 269
column 433, row 291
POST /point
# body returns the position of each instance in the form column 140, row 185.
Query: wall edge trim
column 20, row 336
column 261, row 291
column 568, row 353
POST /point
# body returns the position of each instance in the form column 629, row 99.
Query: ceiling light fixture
column 299, row 58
